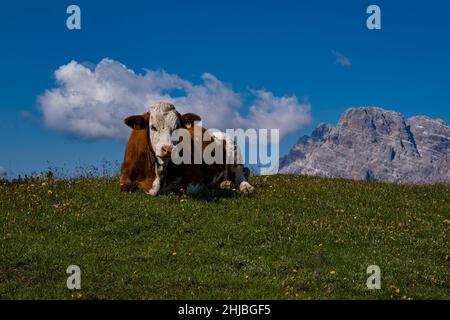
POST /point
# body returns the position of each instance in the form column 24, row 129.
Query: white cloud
column 342, row 60
column 3, row 172
column 91, row 103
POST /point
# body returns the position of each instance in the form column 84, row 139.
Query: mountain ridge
column 372, row 143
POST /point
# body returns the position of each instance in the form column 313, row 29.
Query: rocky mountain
column 372, row 143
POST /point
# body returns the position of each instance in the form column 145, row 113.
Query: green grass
column 295, row 238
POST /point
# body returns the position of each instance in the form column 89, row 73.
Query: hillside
column 296, row 238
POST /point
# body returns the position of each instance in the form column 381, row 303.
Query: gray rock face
column 371, row 143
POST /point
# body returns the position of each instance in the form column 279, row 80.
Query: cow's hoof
column 227, row 184
column 156, row 187
column 153, row 192
column 246, row 188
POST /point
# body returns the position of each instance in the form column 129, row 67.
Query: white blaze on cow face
column 163, row 121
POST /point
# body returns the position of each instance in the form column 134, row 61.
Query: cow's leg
column 240, row 179
column 156, row 186
column 235, row 169
column 222, row 180
column 194, row 188
column 246, row 188
column 126, row 184
column 227, row 184
column 145, row 185
column 241, row 174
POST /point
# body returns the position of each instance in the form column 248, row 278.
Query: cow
column 147, row 163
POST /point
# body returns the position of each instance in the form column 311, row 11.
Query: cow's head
column 161, row 121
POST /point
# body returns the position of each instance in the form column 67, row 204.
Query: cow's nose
column 166, row 149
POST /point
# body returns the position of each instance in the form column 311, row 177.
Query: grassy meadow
column 295, row 238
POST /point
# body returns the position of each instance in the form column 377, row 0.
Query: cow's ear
column 188, row 119
column 137, row 122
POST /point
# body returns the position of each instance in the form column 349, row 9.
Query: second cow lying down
column 147, row 163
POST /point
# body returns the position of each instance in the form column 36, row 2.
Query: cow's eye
column 154, row 128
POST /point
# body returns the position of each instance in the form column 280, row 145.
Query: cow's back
column 194, row 175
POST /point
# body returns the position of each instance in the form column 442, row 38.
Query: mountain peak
column 377, row 144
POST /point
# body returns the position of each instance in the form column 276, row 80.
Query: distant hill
column 372, row 143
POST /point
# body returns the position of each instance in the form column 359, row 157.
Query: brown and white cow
column 147, row 163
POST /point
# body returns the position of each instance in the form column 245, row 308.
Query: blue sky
column 286, row 47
